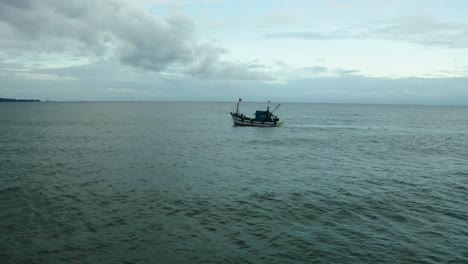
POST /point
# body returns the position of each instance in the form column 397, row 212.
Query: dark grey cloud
column 110, row 29
column 420, row 30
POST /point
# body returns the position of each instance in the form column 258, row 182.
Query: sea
column 176, row 182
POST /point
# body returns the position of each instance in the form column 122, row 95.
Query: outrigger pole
column 276, row 108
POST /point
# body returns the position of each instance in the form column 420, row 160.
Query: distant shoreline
column 18, row 100
column 244, row 102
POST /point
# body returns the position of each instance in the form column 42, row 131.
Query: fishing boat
column 260, row 119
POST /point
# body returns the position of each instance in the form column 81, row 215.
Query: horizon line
column 234, row 101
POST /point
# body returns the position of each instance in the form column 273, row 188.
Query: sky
column 348, row 51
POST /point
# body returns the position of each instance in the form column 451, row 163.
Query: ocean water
column 161, row 182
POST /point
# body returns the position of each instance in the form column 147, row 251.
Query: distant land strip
column 18, row 100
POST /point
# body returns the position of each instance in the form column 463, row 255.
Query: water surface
column 168, row 182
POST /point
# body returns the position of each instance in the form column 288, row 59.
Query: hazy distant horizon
column 233, row 102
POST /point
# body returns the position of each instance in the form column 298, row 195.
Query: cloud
column 107, row 81
column 285, row 73
column 305, row 35
column 316, row 69
column 419, row 30
column 111, row 30
column 425, row 31
column 44, row 77
column 210, row 66
column 322, row 71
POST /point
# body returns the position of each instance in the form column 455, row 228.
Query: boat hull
column 246, row 121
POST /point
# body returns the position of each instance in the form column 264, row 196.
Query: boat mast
column 237, row 110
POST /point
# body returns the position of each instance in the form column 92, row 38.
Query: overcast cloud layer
column 111, row 29
column 311, row 51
